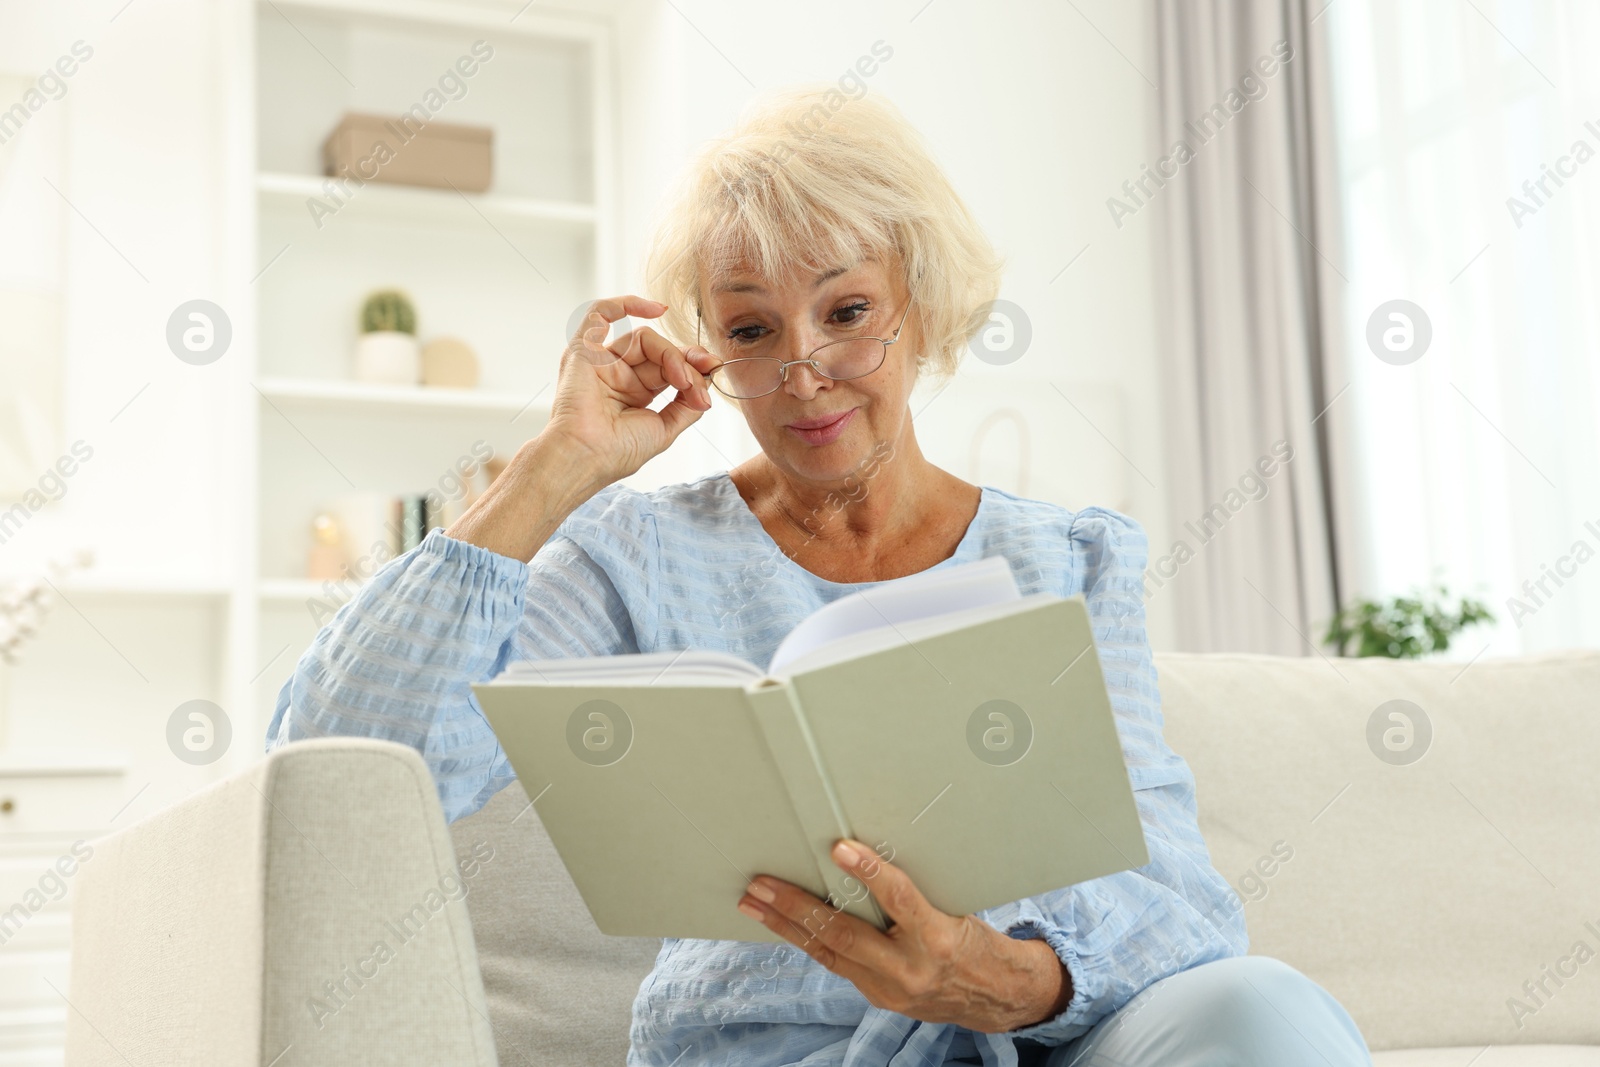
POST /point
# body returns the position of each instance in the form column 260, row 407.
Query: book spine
column 396, row 529
column 789, row 740
column 411, row 529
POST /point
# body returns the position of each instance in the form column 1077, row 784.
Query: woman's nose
column 803, row 381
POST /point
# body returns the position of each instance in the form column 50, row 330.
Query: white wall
column 1037, row 118
column 142, row 125
column 144, row 160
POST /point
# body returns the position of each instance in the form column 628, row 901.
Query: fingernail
column 846, row 854
column 751, row 910
column 761, row 892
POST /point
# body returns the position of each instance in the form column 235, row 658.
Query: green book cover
column 974, row 747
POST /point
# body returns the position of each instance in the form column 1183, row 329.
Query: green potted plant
column 1404, row 627
column 386, row 351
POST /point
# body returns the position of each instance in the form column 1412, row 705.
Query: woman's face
column 815, row 429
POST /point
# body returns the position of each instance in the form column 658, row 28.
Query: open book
column 962, row 730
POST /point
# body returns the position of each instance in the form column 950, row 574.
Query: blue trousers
column 1248, row 1011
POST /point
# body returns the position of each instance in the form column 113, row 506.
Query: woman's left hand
column 929, row 965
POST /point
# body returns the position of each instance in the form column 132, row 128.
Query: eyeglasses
column 854, row 357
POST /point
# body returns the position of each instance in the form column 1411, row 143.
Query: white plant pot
column 388, row 357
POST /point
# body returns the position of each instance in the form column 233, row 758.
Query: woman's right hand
column 601, row 429
column 601, row 407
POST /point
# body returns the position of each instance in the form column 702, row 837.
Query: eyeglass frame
column 785, row 364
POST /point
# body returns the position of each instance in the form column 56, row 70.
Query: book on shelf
column 410, row 512
column 359, row 532
column 962, row 730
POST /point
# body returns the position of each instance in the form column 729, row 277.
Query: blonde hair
column 812, row 179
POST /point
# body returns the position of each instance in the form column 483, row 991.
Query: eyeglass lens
column 854, row 358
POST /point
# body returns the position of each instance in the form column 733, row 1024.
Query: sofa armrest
column 311, row 903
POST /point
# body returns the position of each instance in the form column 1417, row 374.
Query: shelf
column 406, row 203
column 293, row 591
column 52, row 763
column 309, row 392
column 95, row 586
column 504, row 16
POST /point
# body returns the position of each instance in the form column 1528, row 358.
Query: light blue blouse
column 690, row 566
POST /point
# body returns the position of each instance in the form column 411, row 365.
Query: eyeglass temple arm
column 903, row 318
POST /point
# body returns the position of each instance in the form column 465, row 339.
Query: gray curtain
column 1242, row 188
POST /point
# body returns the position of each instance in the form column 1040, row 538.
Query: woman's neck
column 895, row 511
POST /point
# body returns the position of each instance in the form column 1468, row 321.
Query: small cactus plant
column 388, row 310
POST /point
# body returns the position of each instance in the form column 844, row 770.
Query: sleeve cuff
column 1075, row 1018
column 479, row 567
column 441, row 546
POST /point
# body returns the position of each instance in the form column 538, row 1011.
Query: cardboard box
column 405, row 150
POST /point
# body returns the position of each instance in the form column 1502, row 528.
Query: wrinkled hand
column 601, row 428
column 601, row 405
column 929, row 965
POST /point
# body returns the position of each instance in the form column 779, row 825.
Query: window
column 1468, row 151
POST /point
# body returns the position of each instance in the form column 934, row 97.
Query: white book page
column 691, row 667
column 910, row 632
column 897, row 602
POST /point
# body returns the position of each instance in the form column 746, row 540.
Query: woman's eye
column 745, row 335
column 854, row 310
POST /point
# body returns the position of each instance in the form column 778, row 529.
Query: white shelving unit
column 401, row 204
column 503, row 270
column 311, row 394
column 247, row 450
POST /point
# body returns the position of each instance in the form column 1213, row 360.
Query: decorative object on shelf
column 449, row 362
column 376, row 527
column 440, row 155
column 386, row 351
column 369, row 542
column 1404, row 627
column 327, row 560
column 24, row 603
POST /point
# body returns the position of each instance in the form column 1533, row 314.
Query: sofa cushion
column 1499, row 1056
column 560, row 992
column 1429, row 896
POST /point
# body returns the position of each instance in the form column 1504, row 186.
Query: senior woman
column 825, row 265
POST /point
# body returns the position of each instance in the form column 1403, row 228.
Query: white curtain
column 1468, row 136
column 1242, row 185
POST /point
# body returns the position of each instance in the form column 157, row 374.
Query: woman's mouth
column 822, row 429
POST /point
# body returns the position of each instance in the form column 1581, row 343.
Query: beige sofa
column 244, row 926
